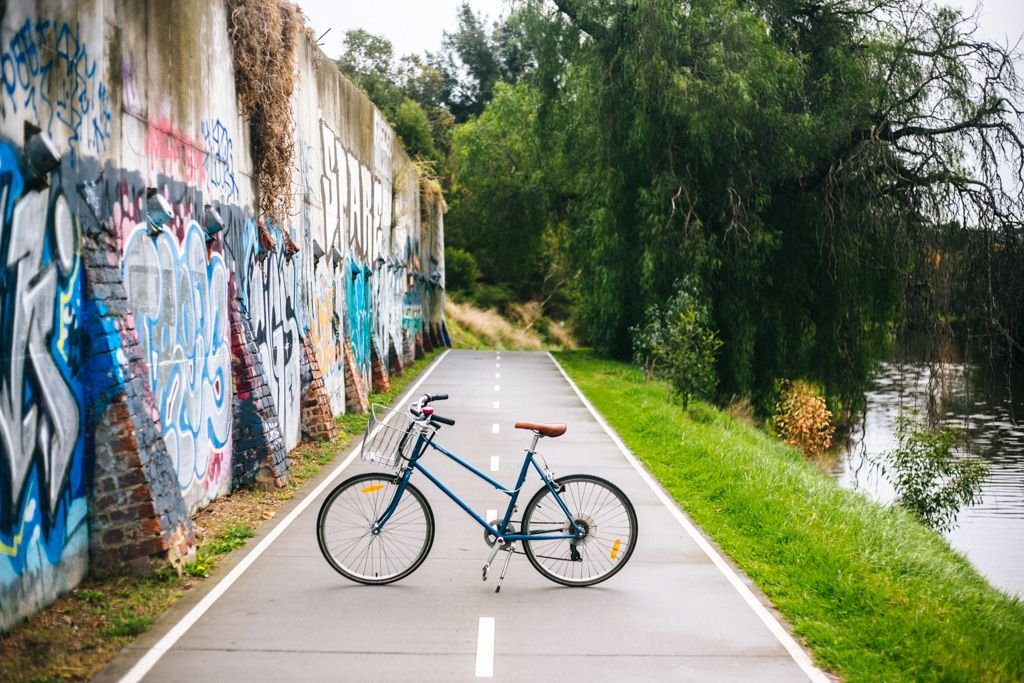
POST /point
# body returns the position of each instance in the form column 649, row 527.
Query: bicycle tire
column 602, row 509
column 343, row 529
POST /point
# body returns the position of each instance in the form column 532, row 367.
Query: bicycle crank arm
column 490, row 558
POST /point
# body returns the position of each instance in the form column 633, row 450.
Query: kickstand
column 504, row 568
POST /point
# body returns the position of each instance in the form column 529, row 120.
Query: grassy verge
column 75, row 637
column 874, row 594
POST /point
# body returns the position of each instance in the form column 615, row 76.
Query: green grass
column 875, row 595
column 232, row 537
column 128, row 625
column 463, row 338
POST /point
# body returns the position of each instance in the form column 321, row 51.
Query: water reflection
column 991, row 533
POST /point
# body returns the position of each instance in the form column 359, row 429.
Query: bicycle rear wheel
column 344, row 529
column 601, row 510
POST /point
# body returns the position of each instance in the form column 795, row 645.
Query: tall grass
column 874, row 594
column 490, row 328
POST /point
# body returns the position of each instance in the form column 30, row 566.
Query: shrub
column 460, row 270
column 930, row 480
column 802, row 418
column 497, row 297
column 413, row 127
column 676, row 343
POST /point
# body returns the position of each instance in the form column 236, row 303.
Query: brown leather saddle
column 551, row 429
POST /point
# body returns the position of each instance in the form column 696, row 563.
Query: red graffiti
column 172, row 153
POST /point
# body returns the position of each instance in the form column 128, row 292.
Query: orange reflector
column 615, row 548
column 373, row 487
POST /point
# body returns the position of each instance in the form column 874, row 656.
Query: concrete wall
column 142, row 375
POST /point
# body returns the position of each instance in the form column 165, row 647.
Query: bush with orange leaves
column 802, row 419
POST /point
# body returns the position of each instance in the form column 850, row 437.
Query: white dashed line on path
column 497, row 387
column 494, row 463
column 485, row 648
column 495, row 427
column 497, row 405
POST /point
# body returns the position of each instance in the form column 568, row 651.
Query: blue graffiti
column 48, row 76
column 219, row 162
column 179, row 297
column 360, row 316
column 43, row 487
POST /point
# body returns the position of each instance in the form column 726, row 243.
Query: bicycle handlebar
column 420, row 411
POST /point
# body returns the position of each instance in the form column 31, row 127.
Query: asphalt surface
column 670, row 614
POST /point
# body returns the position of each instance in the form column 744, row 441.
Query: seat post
column 536, row 438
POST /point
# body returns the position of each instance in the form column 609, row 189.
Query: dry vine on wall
column 264, row 35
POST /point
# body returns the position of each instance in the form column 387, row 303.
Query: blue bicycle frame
column 500, row 530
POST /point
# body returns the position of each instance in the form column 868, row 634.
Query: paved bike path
column 671, row 613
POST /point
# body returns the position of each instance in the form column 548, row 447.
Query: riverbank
column 74, row 638
column 872, row 593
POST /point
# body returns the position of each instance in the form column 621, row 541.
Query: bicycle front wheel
column 344, row 529
column 604, row 514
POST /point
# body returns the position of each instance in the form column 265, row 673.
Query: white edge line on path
column 149, row 660
column 778, row 630
column 485, row 648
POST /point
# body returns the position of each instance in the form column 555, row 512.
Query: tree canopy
column 828, row 174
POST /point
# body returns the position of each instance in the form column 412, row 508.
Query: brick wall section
column 259, row 455
column 356, row 399
column 408, row 350
column 418, row 346
column 396, row 366
column 379, row 372
column 138, row 519
column 317, row 420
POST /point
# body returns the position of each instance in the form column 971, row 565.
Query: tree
column 803, row 159
column 472, row 60
column 500, row 203
column 408, row 92
column 930, row 480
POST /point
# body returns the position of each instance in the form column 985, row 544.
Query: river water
column 990, row 533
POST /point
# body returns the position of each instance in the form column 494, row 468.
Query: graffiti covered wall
column 128, row 208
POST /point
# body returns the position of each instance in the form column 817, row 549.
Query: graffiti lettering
column 360, row 317
column 42, row 501
column 174, row 154
column 180, row 303
column 356, row 203
column 219, row 160
column 268, row 287
column 49, row 76
column 325, row 332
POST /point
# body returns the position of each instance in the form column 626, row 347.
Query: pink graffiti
column 172, row 153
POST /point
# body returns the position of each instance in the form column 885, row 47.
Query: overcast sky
column 415, row 26
column 412, row 26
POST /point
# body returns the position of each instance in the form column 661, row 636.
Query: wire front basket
column 390, row 436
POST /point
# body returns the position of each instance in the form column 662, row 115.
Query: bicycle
column 377, row 528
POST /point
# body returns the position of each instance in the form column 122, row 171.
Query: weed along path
column 675, row 611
